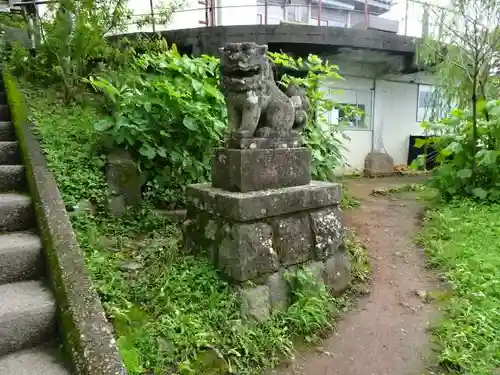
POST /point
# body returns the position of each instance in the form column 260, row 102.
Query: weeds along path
column 387, row 333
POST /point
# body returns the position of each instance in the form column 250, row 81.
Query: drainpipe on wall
column 367, row 20
column 265, row 11
column 320, row 5
column 374, row 93
column 212, row 13
column 406, row 16
column 153, row 21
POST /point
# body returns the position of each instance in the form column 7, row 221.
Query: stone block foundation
column 254, row 238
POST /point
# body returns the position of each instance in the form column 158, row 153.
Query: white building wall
column 189, row 17
column 395, row 118
column 236, row 12
column 392, row 116
column 275, row 12
column 357, row 142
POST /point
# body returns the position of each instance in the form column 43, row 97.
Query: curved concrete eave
column 207, row 40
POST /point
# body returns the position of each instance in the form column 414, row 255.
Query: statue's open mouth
column 239, row 72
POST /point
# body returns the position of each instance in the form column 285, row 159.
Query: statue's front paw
column 242, row 134
column 264, row 132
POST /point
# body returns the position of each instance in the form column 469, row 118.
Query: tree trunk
column 474, row 127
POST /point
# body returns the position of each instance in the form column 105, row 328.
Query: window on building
column 329, row 17
column 353, row 109
column 297, row 13
column 351, row 115
column 275, row 14
column 430, row 105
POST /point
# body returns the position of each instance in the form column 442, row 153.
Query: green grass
column 348, row 201
column 462, row 240
column 171, row 311
column 69, row 140
column 402, row 188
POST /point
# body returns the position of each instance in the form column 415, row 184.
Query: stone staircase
column 27, row 307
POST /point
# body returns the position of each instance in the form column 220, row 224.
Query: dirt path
column 387, row 333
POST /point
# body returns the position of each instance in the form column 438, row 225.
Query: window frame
column 367, row 117
column 422, row 118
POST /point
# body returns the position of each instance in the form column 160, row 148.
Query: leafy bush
column 167, row 110
column 323, row 139
column 69, row 38
column 461, row 173
column 72, row 41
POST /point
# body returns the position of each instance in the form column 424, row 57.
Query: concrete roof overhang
column 301, row 40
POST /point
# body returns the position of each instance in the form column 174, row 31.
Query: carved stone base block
column 258, row 236
column 260, row 169
column 378, row 164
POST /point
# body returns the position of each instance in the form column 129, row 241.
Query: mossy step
column 21, row 257
column 4, row 112
column 35, row 361
column 16, row 213
column 27, row 315
column 12, row 178
column 7, row 131
column 10, row 153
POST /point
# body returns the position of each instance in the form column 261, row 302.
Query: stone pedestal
column 257, row 236
column 379, row 164
column 259, row 169
column 262, row 215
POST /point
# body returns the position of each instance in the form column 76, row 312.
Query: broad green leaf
column 464, row 173
column 103, row 125
column 148, row 151
column 190, row 123
column 419, row 142
column 480, row 193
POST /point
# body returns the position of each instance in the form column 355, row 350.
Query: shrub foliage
column 168, row 111
column 466, row 170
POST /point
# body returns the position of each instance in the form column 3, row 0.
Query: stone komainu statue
column 256, row 106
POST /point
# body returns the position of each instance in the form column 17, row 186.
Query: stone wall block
column 293, row 239
column 337, row 273
column 328, row 229
column 378, row 164
column 255, row 303
column 279, row 291
column 247, row 251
